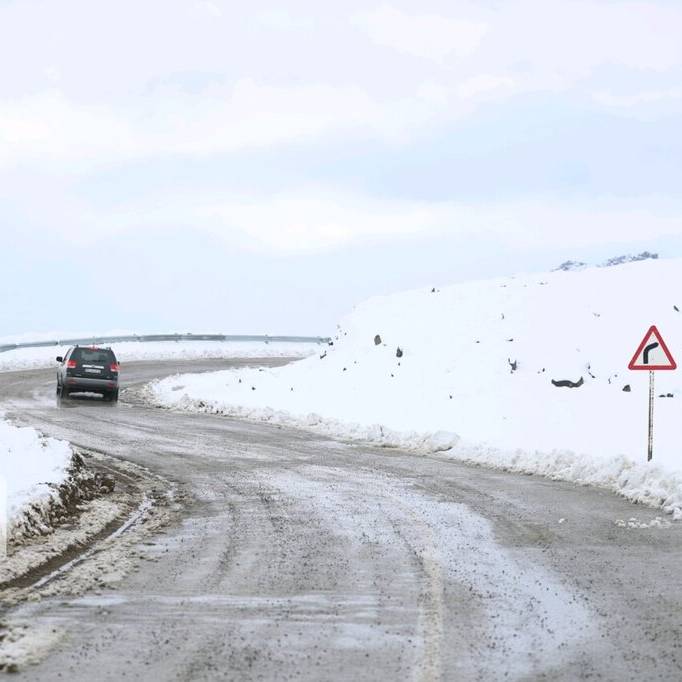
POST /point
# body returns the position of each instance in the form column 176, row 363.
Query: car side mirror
column 60, row 358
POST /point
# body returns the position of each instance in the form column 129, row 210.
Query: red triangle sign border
column 653, row 330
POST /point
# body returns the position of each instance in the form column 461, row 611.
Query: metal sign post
column 652, row 355
column 650, row 452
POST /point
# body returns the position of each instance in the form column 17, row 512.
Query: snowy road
column 300, row 557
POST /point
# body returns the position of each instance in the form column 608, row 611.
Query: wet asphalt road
column 303, row 558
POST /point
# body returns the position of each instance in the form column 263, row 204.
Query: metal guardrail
column 142, row 338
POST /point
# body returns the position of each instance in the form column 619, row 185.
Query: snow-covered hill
column 475, row 372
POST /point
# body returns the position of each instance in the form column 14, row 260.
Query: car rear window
column 93, row 356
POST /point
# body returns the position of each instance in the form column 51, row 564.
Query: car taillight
column 114, row 367
column 71, row 364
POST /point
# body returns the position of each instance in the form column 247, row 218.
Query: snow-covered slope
column 478, row 360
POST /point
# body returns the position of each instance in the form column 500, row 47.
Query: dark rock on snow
column 565, row 383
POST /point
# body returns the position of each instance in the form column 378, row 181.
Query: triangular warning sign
column 652, row 353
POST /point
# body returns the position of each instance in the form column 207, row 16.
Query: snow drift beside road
column 477, row 361
column 32, row 467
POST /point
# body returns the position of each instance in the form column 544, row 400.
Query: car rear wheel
column 64, row 393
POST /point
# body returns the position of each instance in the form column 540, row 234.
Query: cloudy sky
column 260, row 167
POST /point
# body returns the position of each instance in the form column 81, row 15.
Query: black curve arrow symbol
column 648, row 350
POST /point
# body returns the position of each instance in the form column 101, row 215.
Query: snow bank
column 469, row 369
column 32, row 468
column 29, row 358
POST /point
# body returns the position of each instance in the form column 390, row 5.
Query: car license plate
column 93, row 371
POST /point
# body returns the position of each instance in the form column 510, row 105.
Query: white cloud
column 424, row 35
column 556, row 43
column 47, row 129
column 545, row 45
column 316, row 220
column 210, row 8
column 239, row 85
column 51, row 131
column 642, row 99
column 283, row 21
column 485, row 85
column 52, row 74
column 115, row 107
column 255, row 115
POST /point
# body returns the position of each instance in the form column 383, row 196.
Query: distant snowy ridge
column 629, row 258
column 487, row 367
column 616, row 260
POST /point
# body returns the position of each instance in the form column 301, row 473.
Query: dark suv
column 88, row 369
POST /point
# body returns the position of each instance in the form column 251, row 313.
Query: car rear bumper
column 87, row 384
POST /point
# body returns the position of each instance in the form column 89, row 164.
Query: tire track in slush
column 421, row 547
column 454, row 549
column 429, row 667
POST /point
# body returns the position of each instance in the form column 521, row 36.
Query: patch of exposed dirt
column 82, row 484
column 101, row 499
